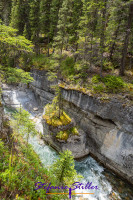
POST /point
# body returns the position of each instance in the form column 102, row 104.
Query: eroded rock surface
column 107, row 128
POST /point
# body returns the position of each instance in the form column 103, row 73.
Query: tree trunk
column 102, row 36
column 126, row 40
column 48, row 46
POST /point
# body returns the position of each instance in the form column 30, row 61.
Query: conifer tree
column 34, row 19
column 64, row 25
column 73, row 25
column 54, row 11
column 87, row 28
column 18, row 15
column 63, row 169
column 45, row 7
column 126, row 39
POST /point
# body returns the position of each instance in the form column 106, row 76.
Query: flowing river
column 110, row 187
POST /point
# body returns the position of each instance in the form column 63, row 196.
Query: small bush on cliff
column 108, row 83
column 64, row 135
column 113, row 83
column 51, row 116
column 99, row 88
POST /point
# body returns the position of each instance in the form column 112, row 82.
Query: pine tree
column 64, row 25
column 17, row 16
column 45, row 7
column 5, row 11
column 103, row 6
column 126, row 39
column 63, row 169
column 75, row 19
column 34, row 19
column 87, row 28
column 54, row 11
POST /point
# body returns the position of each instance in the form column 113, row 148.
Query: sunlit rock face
column 75, row 143
column 107, row 127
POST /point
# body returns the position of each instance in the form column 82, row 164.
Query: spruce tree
column 18, row 15
column 45, row 7
column 34, row 19
column 64, row 25
column 126, row 39
column 54, row 11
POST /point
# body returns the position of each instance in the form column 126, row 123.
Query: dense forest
column 73, row 40
column 82, row 44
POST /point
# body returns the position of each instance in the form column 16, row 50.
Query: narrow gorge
column 106, row 127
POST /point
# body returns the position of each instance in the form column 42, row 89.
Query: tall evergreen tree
column 18, row 15
column 54, row 12
column 34, row 19
column 64, row 25
column 126, row 39
column 45, row 7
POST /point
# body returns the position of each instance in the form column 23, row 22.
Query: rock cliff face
column 108, row 127
column 41, row 87
column 75, row 143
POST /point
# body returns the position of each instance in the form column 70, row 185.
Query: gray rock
column 107, row 128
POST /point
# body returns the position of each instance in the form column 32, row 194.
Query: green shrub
column 108, row 66
column 67, row 66
column 113, row 83
column 19, row 171
column 62, row 135
column 99, row 88
column 96, row 79
column 40, row 62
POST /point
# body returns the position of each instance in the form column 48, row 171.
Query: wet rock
column 35, row 109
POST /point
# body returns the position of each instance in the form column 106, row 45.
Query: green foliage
column 96, row 79
column 10, row 47
column 99, row 88
column 13, row 75
column 20, row 173
column 41, row 62
column 111, row 83
column 23, row 124
column 67, row 66
column 64, row 135
column 11, row 42
column 52, row 116
column 63, row 169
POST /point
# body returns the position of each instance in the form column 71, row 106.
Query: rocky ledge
column 75, row 143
